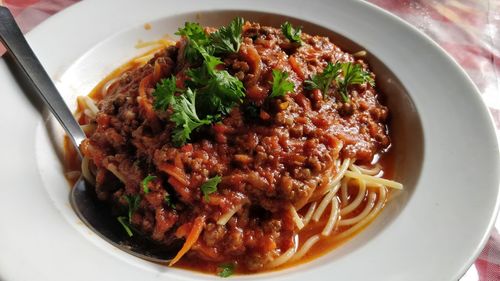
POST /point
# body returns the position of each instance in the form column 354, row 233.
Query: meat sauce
column 268, row 159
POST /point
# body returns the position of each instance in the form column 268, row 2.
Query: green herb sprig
column 133, row 203
column 145, row 182
column 210, row 186
column 227, row 39
column 195, row 35
column 168, row 200
column 123, row 221
column 211, row 92
column 164, row 93
column 219, row 90
column 281, row 84
column 291, row 33
column 352, row 74
column 126, row 222
column 185, row 117
column 226, row 270
column 324, row 80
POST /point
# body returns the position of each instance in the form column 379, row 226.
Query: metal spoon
column 91, row 211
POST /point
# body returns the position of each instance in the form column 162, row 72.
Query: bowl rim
column 56, row 65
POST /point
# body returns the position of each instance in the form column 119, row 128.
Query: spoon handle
column 13, row 39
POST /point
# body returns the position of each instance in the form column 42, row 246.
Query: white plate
column 447, row 158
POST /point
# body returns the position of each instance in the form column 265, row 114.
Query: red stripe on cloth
column 487, row 271
column 470, row 56
column 393, row 6
column 17, row 6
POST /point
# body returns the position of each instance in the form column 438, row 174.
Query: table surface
column 469, row 30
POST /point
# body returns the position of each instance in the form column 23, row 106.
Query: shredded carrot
column 296, row 67
column 180, row 188
column 178, row 161
column 157, row 72
column 304, row 102
column 175, row 172
column 195, row 232
column 142, row 85
column 183, row 230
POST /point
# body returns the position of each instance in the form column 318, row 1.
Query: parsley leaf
column 193, row 31
column 226, row 270
column 227, row 39
column 281, row 85
column 324, row 79
column 133, row 204
column 164, row 93
column 219, row 90
column 209, row 60
column 210, row 186
column 353, row 74
column 196, row 36
column 293, row 34
column 225, row 91
column 123, row 221
column 168, row 201
column 185, row 117
column 184, row 109
column 145, row 183
column 210, row 91
column 200, row 76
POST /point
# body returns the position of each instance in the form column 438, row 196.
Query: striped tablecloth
column 468, row 29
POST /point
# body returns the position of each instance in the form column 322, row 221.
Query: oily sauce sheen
column 268, row 160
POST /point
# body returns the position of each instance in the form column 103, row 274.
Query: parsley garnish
column 210, row 91
column 210, row 186
column 185, row 117
column 226, row 270
column 193, row 31
column 168, row 201
column 352, row 74
column 184, row 113
column 281, row 85
column 293, row 34
column 133, row 204
column 195, row 34
column 219, row 90
column 225, row 91
column 324, row 79
column 164, row 93
column 227, row 39
column 145, row 183
column 210, row 61
column 124, row 223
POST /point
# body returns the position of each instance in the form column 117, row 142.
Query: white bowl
column 446, row 150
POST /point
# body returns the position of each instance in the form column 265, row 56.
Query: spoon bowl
column 97, row 216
